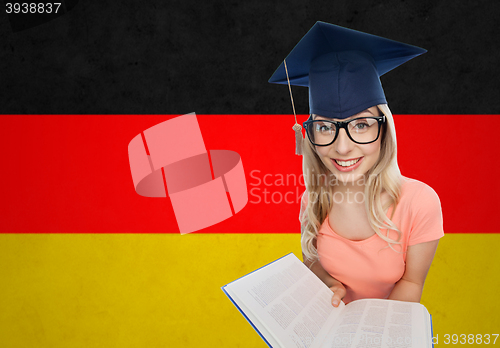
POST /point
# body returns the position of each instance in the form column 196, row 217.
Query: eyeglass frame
column 343, row 124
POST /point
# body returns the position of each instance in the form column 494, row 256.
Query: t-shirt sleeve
column 427, row 216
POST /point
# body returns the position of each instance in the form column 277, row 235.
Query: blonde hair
column 383, row 176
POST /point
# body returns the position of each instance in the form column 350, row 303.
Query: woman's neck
column 343, row 187
column 349, row 193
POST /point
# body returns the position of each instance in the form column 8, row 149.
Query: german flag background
column 87, row 262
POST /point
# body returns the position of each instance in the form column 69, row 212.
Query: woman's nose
column 343, row 145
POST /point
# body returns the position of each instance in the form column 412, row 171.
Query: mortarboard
column 342, row 68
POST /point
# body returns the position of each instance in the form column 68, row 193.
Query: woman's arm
column 418, row 261
column 334, row 285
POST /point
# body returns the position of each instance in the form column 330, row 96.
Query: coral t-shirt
column 369, row 268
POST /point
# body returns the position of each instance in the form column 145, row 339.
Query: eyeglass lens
column 362, row 130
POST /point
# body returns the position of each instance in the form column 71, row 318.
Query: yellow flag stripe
column 136, row 290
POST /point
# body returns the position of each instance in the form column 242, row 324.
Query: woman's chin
column 350, row 178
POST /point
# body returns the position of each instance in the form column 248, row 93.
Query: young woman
column 367, row 231
column 353, row 238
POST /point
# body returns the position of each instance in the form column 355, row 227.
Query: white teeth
column 347, row 163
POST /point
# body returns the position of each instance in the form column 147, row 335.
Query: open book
column 290, row 306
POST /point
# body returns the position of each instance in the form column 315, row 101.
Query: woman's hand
column 337, row 287
column 339, row 292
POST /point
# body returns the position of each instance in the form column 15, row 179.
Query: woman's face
column 347, row 160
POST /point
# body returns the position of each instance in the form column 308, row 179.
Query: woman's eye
column 362, row 125
column 323, row 128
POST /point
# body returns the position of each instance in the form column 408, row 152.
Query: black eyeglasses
column 361, row 130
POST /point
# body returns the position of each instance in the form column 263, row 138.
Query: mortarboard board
column 342, row 68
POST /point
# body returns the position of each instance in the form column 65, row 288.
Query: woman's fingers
column 338, row 294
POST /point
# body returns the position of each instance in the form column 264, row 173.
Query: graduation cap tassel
column 296, row 127
column 298, row 138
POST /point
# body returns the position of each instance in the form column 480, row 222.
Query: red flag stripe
column 70, row 173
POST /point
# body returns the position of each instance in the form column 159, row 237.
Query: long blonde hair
column 383, row 176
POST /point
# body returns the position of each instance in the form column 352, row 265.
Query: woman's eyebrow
column 364, row 111
column 358, row 115
column 320, row 118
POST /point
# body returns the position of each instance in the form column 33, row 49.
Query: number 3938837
column 32, row 7
column 468, row 339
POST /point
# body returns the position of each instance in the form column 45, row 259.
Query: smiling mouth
column 347, row 163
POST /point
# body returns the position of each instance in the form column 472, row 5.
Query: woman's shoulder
column 420, row 210
column 417, row 195
column 412, row 188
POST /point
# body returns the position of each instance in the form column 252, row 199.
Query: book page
column 373, row 323
column 288, row 301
